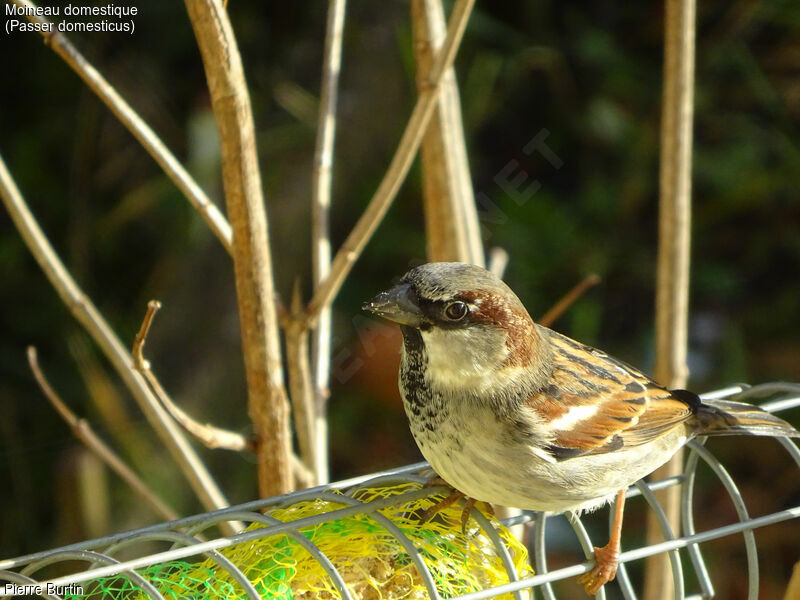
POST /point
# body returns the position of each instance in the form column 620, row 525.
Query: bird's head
column 472, row 329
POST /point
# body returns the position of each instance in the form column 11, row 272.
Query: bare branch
column 303, row 478
column 83, row 431
column 793, row 589
column 268, row 405
column 498, row 261
column 109, row 401
column 560, row 307
column 674, row 228
column 451, row 217
column 87, row 315
column 209, row 435
column 398, row 169
column 300, row 387
column 672, row 286
column 320, row 234
column 134, row 123
column 138, row 342
column 215, row 438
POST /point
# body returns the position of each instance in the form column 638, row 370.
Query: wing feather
column 597, row 404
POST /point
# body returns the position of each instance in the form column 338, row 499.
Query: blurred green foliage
column 589, row 73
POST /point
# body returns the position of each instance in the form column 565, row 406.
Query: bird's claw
column 465, row 513
column 454, row 496
column 604, row 570
column 441, row 505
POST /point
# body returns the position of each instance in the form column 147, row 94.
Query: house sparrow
column 510, row 412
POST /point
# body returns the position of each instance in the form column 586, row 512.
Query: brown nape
column 493, row 308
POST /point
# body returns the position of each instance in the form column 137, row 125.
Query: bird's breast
column 489, row 456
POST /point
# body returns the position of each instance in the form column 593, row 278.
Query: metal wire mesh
column 96, row 558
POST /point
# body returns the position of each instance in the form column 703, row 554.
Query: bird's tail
column 723, row 417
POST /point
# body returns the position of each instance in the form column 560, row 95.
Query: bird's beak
column 398, row 304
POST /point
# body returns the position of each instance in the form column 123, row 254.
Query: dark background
column 587, row 72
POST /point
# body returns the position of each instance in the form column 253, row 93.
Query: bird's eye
column 455, row 311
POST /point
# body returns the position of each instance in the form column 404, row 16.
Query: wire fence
column 129, row 556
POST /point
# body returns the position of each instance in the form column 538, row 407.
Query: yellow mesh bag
column 372, row 562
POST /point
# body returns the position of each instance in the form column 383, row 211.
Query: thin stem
column 320, row 226
column 451, row 217
column 268, row 405
column 141, row 336
column 674, row 228
column 210, row 436
column 568, row 299
column 84, row 432
column 300, row 387
column 672, row 286
column 498, row 261
column 85, row 312
column 398, row 169
column 793, row 589
column 134, row 123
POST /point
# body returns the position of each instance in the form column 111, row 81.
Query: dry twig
column 793, row 589
column 107, row 399
column 498, row 261
column 134, row 123
column 137, row 350
column 87, row 315
column 300, row 387
column 84, row 432
column 672, row 286
column 451, row 217
column 267, row 402
column 387, row 190
column 210, row 436
column 320, row 234
column 568, row 299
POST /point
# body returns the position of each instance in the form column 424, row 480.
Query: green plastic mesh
column 371, row 561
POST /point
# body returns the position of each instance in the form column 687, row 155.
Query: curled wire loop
column 192, row 536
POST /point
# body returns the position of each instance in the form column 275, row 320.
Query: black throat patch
column 412, row 371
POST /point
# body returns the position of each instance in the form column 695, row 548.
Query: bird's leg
column 454, row 496
column 607, row 557
column 470, row 502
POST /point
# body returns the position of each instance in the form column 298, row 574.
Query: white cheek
column 457, row 357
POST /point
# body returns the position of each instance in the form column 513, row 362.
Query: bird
column 512, row 413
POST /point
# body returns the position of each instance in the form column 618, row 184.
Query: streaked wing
column 632, row 410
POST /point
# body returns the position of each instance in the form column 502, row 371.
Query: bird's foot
column 454, row 497
column 429, row 513
column 604, row 570
column 465, row 513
